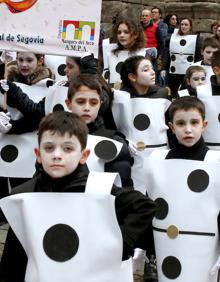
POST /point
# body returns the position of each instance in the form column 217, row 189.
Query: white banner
column 59, row 27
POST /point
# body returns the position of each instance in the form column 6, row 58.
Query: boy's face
column 188, row 126
column 60, row 155
column 207, row 54
column 85, row 103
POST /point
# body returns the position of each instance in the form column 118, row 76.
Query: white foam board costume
column 102, row 150
column 141, row 120
column 34, row 92
column 211, row 155
column 57, row 65
column 183, row 92
column 55, row 99
column 212, row 105
column 77, row 239
column 182, row 52
column 112, row 62
column 185, row 226
column 17, row 158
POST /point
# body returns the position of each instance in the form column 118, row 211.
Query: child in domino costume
column 185, row 229
column 74, row 262
column 112, row 62
column 211, row 134
column 16, row 159
column 196, row 75
column 142, row 121
column 182, row 52
column 103, row 149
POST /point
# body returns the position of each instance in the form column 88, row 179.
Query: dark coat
column 134, row 213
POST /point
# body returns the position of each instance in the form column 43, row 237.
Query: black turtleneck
column 74, row 182
column 42, row 182
column 196, row 152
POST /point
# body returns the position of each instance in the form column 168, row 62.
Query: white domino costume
column 141, row 120
column 113, row 62
column 70, row 260
column 212, row 105
column 185, row 226
column 182, row 52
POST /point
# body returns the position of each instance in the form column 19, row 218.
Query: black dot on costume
column 141, row 122
column 172, row 69
column 61, row 69
column 162, row 208
column 105, row 150
column 49, row 83
column 9, row 153
column 190, row 59
column 173, row 58
column 198, row 180
column 107, row 74
column 219, row 117
column 60, row 242
column 171, row 267
column 118, row 67
column 182, row 42
column 58, row 107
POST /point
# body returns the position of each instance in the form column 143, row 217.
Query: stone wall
column 201, row 12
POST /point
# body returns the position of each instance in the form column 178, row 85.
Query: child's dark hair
column 216, row 59
column 210, row 42
column 135, row 29
column 87, row 80
column 130, row 65
column 62, row 122
column 186, row 103
column 192, row 69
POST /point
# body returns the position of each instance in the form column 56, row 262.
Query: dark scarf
column 196, row 152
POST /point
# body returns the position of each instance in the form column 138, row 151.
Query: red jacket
column 150, row 33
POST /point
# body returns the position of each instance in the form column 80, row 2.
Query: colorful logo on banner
column 17, row 7
column 78, row 29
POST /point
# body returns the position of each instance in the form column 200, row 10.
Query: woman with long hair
column 184, row 49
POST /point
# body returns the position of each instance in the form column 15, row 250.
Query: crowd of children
column 155, row 97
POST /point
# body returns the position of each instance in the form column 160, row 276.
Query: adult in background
column 161, row 34
column 172, row 22
column 184, row 49
column 150, row 29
